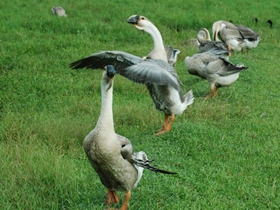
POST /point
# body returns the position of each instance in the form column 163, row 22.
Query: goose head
column 144, row 24
column 140, row 22
column 108, row 76
column 203, row 35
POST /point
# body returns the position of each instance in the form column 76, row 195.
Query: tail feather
column 188, row 98
column 145, row 163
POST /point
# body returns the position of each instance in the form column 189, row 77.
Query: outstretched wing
column 132, row 67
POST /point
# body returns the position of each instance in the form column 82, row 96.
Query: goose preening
column 160, row 78
column 229, row 34
column 218, row 71
column 207, row 45
column 59, row 11
column 111, row 155
column 237, row 37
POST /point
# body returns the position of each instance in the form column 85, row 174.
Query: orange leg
column 213, row 92
column 167, row 124
column 127, row 196
column 171, row 119
column 216, row 92
column 229, row 50
column 112, row 197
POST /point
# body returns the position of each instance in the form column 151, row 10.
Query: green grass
column 226, row 150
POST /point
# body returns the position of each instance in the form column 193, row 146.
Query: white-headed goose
column 111, row 155
column 207, row 45
column 160, row 78
column 218, row 71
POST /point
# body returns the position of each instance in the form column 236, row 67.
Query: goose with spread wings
column 154, row 71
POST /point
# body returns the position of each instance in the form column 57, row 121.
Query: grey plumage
column 149, row 71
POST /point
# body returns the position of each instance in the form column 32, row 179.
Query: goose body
column 111, row 155
column 59, row 11
column 207, row 45
column 160, row 78
column 216, row 70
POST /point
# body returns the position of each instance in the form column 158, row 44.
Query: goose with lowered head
column 237, row 37
column 111, row 155
column 229, row 34
column 160, row 78
column 207, row 45
column 218, row 71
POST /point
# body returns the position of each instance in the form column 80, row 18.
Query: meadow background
column 225, row 150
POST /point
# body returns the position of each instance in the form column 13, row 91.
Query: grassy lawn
column 226, row 150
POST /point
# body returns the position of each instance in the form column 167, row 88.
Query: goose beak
column 133, row 19
column 110, row 71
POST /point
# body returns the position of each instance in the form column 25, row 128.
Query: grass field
column 226, row 150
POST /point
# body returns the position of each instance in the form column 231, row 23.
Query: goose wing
column 205, row 64
column 230, row 31
column 215, row 47
column 220, row 66
column 140, row 159
column 247, row 32
column 132, row 67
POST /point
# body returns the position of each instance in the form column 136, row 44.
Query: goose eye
column 142, row 18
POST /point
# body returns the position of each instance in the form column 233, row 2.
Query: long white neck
column 106, row 121
column 158, row 52
column 215, row 30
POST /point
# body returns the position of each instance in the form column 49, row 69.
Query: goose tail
column 141, row 160
column 188, row 98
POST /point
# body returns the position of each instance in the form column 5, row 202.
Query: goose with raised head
column 207, row 45
column 160, row 78
column 229, row 34
column 218, row 71
column 161, row 93
column 111, row 155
